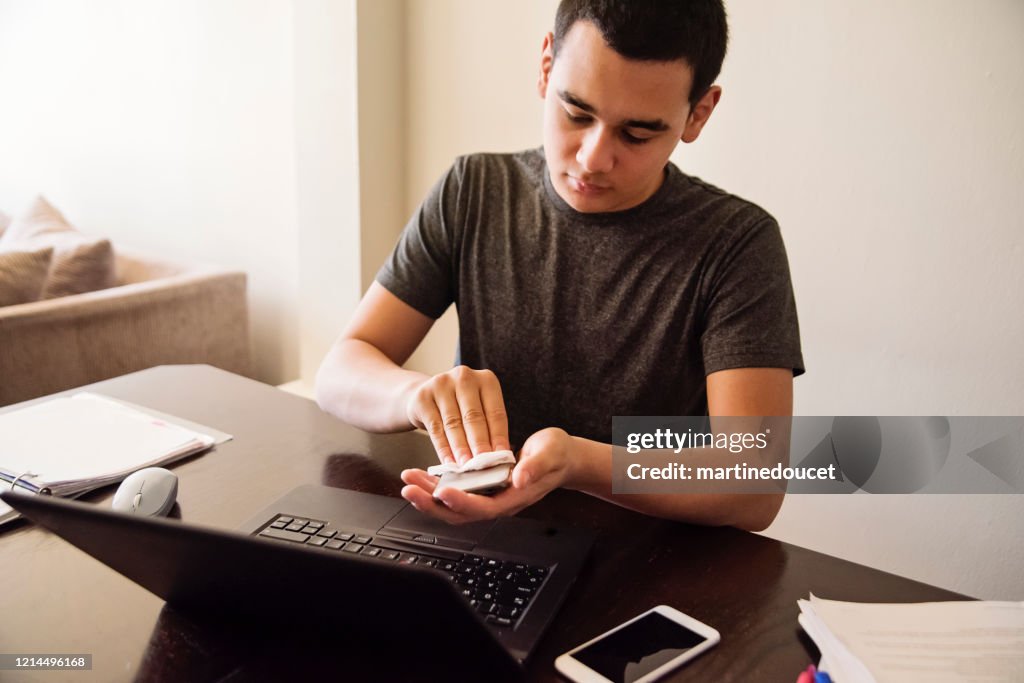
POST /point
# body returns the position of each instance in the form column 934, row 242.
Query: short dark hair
column 657, row 31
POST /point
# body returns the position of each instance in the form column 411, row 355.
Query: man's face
column 610, row 123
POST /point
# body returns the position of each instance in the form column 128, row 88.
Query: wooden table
column 59, row 600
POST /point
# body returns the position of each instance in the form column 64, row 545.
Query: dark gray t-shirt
column 587, row 316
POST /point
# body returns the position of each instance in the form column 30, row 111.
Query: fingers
column 423, row 500
column 463, row 412
column 455, row 506
column 433, row 424
column 474, row 420
column 493, row 406
column 451, row 419
column 545, row 461
column 543, row 465
column 419, row 478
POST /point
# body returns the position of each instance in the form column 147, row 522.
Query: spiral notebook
column 68, row 445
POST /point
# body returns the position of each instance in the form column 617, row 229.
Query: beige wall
column 885, row 138
column 383, row 129
column 167, row 126
column 225, row 132
column 327, row 183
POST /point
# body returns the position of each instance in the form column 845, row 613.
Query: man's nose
column 596, row 153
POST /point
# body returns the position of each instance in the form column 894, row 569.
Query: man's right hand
column 463, row 412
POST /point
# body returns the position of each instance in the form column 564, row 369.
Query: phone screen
column 636, row 650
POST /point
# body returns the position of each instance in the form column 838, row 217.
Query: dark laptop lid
column 203, row 570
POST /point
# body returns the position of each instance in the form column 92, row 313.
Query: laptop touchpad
column 412, row 525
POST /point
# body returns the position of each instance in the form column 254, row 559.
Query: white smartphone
column 641, row 650
column 483, row 482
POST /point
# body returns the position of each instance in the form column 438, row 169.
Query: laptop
column 360, row 564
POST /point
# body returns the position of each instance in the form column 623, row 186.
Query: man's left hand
column 545, row 462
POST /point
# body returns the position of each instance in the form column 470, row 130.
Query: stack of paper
column 69, row 445
column 905, row 643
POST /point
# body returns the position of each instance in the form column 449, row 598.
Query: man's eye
column 577, row 119
column 632, row 139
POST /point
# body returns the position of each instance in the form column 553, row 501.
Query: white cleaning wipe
column 481, row 461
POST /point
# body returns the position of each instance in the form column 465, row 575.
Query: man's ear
column 547, row 60
column 700, row 113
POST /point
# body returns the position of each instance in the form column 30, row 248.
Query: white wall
column 327, row 175
column 383, row 116
column 885, row 138
column 220, row 131
column 166, row 126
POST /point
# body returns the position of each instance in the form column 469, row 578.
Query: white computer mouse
column 150, row 492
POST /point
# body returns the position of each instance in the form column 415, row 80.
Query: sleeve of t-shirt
column 421, row 270
column 750, row 314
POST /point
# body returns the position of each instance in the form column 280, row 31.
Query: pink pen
column 807, row 676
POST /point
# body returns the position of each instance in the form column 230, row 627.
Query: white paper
column 936, row 642
column 480, row 461
column 88, row 438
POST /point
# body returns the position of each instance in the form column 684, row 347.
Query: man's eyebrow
column 656, row 125
column 569, row 98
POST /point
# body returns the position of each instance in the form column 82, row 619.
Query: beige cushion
column 23, row 275
column 80, row 263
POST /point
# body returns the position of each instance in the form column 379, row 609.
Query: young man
column 592, row 278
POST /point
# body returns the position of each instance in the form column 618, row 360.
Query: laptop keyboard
column 500, row 591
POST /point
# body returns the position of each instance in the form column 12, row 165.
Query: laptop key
column 363, row 539
column 285, row 535
column 317, row 540
column 334, row 544
column 279, row 525
column 295, row 526
column 353, row 547
column 286, row 520
column 326, row 533
column 389, row 555
column 372, row 552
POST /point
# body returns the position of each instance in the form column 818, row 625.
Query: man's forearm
column 591, row 472
column 357, row 383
